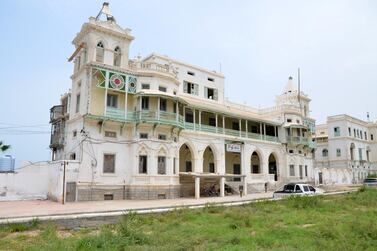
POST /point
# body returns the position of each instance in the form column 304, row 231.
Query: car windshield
column 311, row 188
column 370, row 180
column 289, row 188
column 298, row 189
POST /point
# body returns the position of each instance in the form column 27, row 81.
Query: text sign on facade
column 234, row 148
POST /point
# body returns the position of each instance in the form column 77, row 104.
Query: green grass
column 342, row 222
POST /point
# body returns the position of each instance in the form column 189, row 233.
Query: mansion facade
column 346, row 150
column 154, row 127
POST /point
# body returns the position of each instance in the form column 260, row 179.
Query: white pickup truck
column 297, row 189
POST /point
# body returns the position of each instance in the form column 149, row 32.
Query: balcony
column 304, row 141
column 57, row 140
column 161, row 117
column 229, row 132
column 57, row 112
column 170, row 118
column 153, row 67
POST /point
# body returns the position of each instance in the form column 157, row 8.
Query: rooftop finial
column 106, row 11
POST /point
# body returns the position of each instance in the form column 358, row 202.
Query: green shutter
column 205, row 92
column 184, row 87
column 215, row 95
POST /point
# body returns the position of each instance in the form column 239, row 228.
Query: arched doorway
column 272, row 166
column 186, row 161
column 255, row 163
column 209, row 163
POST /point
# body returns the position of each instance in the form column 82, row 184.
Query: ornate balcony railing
column 154, row 67
column 170, row 118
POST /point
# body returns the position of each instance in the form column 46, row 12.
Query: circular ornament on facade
column 117, row 82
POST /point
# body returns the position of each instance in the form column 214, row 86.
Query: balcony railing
column 57, row 139
column 57, row 112
column 298, row 140
column 170, row 118
column 152, row 66
column 145, row 116
column 229, row 132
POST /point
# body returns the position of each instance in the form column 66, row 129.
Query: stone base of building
column 128, row 193
column 255, row 188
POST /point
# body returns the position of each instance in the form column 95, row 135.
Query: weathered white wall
column 42, row 180
column 30, row 181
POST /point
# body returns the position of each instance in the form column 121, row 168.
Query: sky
column 258, row 43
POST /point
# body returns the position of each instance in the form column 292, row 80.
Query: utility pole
column 64, row 167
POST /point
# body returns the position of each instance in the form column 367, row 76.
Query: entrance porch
column 210, row 179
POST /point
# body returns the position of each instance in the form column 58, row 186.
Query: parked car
column 370, row 182
column 298, row 189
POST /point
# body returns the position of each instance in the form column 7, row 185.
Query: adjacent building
column 346, row 150
column 154, row 127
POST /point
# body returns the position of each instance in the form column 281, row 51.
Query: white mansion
column 346, row 150
column 156, row 127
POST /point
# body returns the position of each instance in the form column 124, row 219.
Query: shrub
column 362, row 189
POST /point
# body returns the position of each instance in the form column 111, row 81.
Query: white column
column 200, row 119
column 126, row 99
column 197, row 187
column 193, row 113
column 141, row 106
column 158, row 108
column 264, row 167
column 106, row 87
column 222, row 187
column 223, row 124
column 264, row 131
column 246, row 129
column 184, row 115
column 245, row 186
column 217, row 125
column 240, row 126
column 260, row 131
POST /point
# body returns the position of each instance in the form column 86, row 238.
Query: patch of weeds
column 130, row 231
column 213, row 208
column 233, row 226
column 304, row 202
column 20, row 227
column 362, row 189
column 235, row 240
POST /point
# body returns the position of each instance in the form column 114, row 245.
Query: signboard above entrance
column 234, row 148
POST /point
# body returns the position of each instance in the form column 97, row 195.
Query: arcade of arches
column 198, row 174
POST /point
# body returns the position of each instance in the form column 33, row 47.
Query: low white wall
column 30, row 181
column 42, row 180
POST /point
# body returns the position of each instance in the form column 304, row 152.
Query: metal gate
column 70, row 192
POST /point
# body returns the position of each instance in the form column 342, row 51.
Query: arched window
column 161, row 162
column 325, row 153
column 117, row 56
column 352, row 151
column 100, row 52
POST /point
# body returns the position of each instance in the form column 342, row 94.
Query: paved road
column 25, row 209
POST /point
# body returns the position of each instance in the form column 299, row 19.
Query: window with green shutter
column 210, row 93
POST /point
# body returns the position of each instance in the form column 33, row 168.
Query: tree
column 3, row 147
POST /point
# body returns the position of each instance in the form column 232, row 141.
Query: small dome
column 290, row 87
